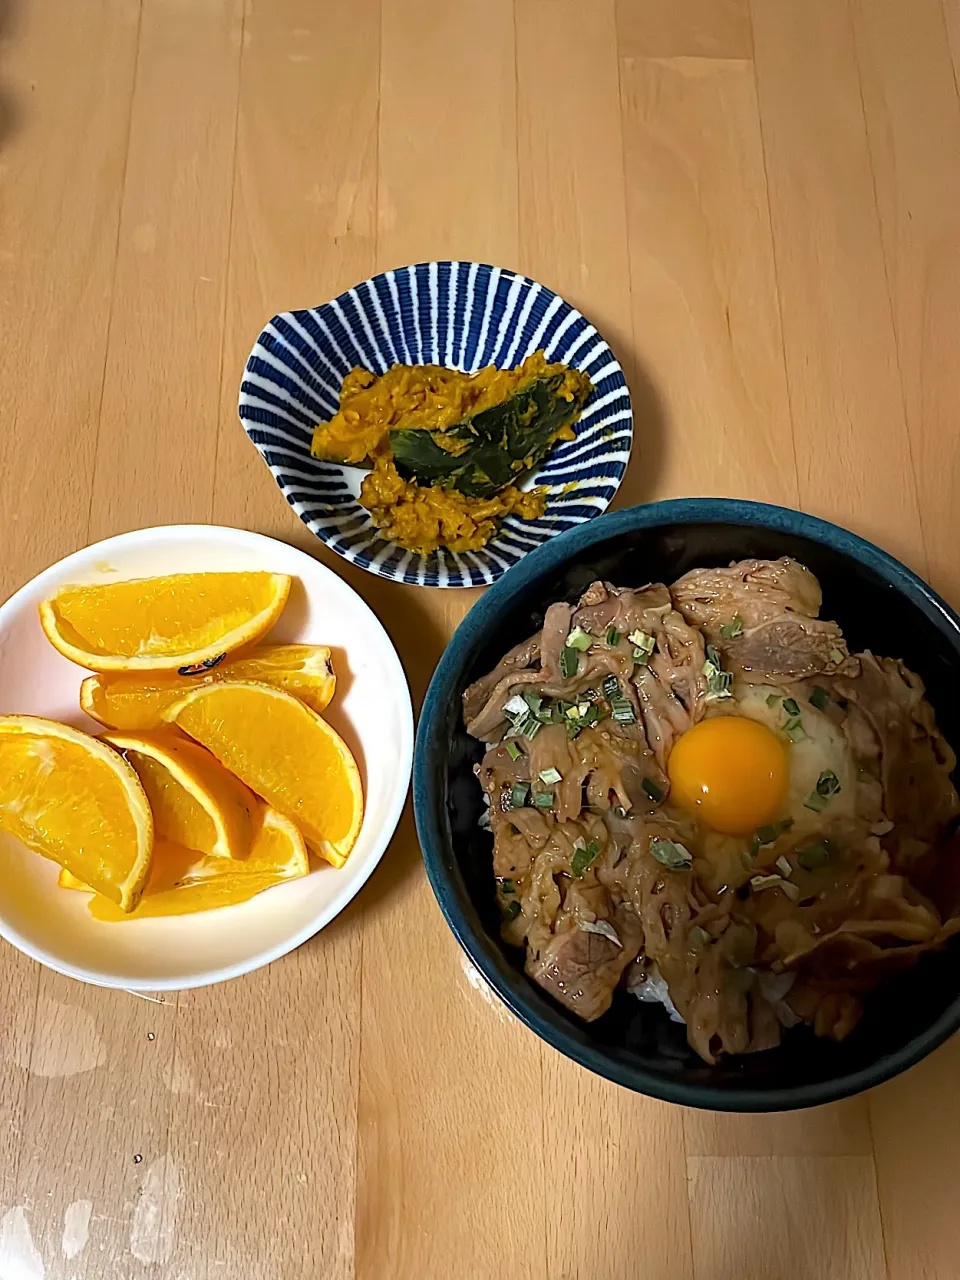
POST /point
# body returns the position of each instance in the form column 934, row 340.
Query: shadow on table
column 650, row 426
column 9, row 114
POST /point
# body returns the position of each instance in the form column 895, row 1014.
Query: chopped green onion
column 698, row 938
column 550, row 776
column 622, row 709
column 511, row 910
column 569, row 662
column 759, row 883
column 772, row 699
column 836, row 656
column 819, row 698
column 582, row 716
column 620, row 811
column 828, row 784
column 513, row 751
column 507, row 886
column 528, row 727
column 794, row 726
column 643, row 645
column 542, row 799
column 611, row 686
column 671, row 854
column 579, row 639
column 518, row 794
column 653, row 791
column 749, row 859
column 730, row 630
column 515, row 706
column 541, row 709
column 773, row 830
column 790, row 889
column 582, row 858
column 718, row 680
column 613, row 636
column 816, row 855
column 816, row 802
column 784, row 866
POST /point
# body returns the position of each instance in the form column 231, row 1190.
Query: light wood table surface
column 759, row 206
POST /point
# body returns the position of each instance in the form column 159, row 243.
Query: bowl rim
column 404, row 746
column 464, row 920
column 489, row 555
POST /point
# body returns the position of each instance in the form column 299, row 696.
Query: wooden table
column 759, row 206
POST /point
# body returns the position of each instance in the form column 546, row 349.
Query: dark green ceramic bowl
column 880, row 605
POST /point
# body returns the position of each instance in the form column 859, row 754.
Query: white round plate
column 371, row 710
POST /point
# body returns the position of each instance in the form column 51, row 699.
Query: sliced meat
column 915, row 762
column 665, row 717
column 553, row 638
column 582, row 969
column 602, row 607
column 616, row 769
column 553, row 749
column 787, row 648
column 498, row 770
column 490, row 721
column 678, row 660
column 777, row 603
column 752, row 590
column 519, row 658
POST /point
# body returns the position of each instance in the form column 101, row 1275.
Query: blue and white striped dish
column 460, row 314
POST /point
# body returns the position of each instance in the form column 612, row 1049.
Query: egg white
column 822, row 749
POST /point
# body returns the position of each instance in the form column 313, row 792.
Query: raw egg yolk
column 731, row 771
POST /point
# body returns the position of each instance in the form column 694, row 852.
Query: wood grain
column 703, row 286
column 756, row 201
column 95, row 1122
column 68, row 77
column 684, row 28
column 841, row 1129
column 156, row 446
column 778, row 1217
column 854, row 456
column 912, row 114
column 619, row 1199
column 914, row 1128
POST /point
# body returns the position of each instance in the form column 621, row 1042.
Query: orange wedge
column 127, row 701
column 285, row 753
column 75, row 800
column 195, row 802
column 180, row 887
column 184, row 620
column 168, row 866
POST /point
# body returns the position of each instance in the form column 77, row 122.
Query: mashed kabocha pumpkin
column 447, row 448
